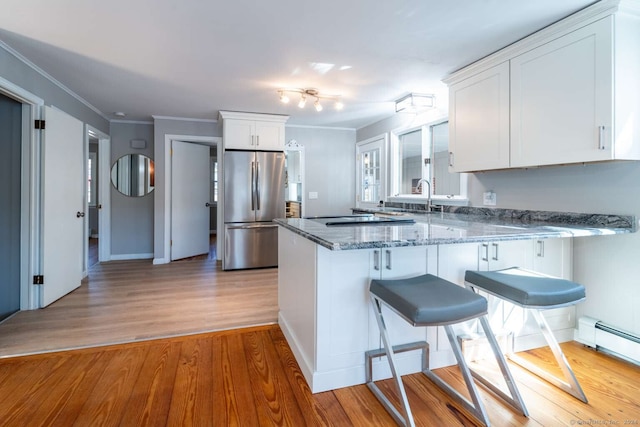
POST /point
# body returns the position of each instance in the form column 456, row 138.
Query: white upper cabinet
column 561, row 99
column 248, row 131
column 572, row 96
column 479, row 121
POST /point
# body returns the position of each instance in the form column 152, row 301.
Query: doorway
column 216, row 144
column 10, row 210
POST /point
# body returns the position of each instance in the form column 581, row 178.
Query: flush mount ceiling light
column 310, row 92
column 415, row 102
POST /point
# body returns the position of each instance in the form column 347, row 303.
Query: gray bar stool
column 428, row 300
column 534, row 292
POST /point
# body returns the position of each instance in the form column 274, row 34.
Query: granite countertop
column 460, row 225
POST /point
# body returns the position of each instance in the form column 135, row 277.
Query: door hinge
column 39, row 124
column 38, row 280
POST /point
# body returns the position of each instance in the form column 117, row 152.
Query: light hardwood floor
column 248, row 377
column 126, row 301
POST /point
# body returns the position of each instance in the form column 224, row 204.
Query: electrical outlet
column 313, row 195
column 489, row 198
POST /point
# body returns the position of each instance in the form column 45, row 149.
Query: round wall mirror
column 133, row 175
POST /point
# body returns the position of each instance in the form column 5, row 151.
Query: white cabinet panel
column 399, row 263
column 561, row 99
column 269, row 136
column 572, row 96
column 239, row 134
column 249, row 131
column 479, row 121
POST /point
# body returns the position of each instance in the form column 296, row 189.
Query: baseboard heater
column 601, row 336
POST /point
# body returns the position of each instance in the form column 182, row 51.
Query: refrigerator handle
column 258, row 185
column 253, row 185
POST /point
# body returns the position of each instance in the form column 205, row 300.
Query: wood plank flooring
column 248, row 377
column 126, row 301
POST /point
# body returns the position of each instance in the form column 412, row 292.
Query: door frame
column 384, row 165
column 30, row 204
column 203, row 140
column 104, row 196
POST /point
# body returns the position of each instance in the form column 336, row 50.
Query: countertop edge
column 521, row 225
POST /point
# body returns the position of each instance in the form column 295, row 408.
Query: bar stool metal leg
column 515, row 399
column 571, row 385
column 406, row 418
column 475, row 406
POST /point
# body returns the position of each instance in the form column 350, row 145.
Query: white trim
column 47, row 76
column 104, row 193
column 254, row 116
column 293, row 145
column 30, row 208
column 207, row 140
column 124, row 257
column 185, row 119
column 319, row 127
column 384, row 173
column 132, row 122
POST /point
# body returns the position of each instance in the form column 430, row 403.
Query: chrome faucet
column 419, row 185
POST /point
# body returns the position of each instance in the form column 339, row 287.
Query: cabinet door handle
column 376, row 260
column 388, row 259
column 540, row 248
column 451, row 158
column 601, row 138
column 253, row 140
column 257, row 140
column 485, row 249
column 495, row 251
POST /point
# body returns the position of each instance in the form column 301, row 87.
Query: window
column 92, row 194
column 214, row 179
column 422, row 154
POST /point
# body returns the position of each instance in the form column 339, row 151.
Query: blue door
column 10, row 165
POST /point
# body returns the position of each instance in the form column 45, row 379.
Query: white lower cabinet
column 326, row 315
column 548, row 256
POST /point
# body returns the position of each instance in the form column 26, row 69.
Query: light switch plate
column 489, row 198
column 313, row 195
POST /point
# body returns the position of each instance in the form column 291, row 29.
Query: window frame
column 460, row 199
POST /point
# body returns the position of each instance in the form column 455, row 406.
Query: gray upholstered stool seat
column 527, row 288
column 534, row 292
column 428, row 300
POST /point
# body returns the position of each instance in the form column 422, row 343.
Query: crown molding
column 131, row 122
column 280, row 118
column 317, row 127
column 49, row 77
column 184, row 119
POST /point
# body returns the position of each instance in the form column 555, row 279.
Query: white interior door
column 63, row 204
column 190, row 181
column 371, row 172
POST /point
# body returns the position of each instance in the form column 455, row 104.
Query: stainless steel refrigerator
column 253, row 197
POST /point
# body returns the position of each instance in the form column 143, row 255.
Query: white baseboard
column 124, row 257
column 158, row 261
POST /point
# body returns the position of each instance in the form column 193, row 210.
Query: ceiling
column 192, row 58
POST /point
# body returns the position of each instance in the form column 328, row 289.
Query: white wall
column 329, row 168
column 608, row 266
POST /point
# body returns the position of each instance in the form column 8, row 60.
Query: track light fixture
column 310, row 92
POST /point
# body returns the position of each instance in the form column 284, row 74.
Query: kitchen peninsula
column 324, row 273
